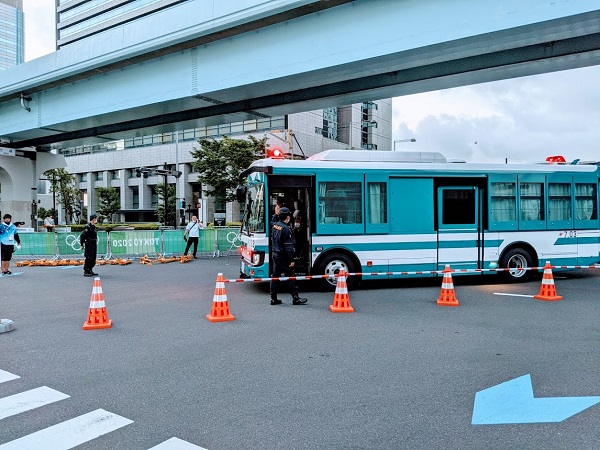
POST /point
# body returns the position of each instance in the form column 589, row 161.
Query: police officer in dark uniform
column 89, row 241
column 282, row 245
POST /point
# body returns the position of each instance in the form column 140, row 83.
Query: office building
column 12, row 33
column 360, row 126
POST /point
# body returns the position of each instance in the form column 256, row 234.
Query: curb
column 6, row 325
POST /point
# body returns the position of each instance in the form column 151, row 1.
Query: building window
column 135, row 197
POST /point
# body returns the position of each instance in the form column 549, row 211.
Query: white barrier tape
column 418, row 272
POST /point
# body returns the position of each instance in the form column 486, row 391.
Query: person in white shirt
column 192, row 232
column 49, row 223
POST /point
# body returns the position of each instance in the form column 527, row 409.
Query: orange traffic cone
column 447, row 294
column 548, row 290
column 341, row 299
column 97, row 315
column 220, row 307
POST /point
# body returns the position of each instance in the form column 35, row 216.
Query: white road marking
column 176, row 444
column 70, row 433
column 24, row 401
column 513, row 295
column 7, row 376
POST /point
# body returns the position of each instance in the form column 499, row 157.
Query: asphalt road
column 399, row 373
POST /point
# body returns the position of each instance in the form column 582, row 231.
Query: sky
column 516, row 120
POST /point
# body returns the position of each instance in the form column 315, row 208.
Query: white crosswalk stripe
column 7, row 376
column 25, row 401
column 176, row 444
column 70, row 433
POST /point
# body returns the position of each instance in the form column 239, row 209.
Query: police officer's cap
column 284, row 212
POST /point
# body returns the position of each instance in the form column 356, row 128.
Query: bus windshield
column 254, row 216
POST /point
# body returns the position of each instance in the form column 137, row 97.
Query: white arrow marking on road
column 513, row 402
column 25, row 401
column 70, row 433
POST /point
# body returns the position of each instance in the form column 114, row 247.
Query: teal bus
column 385, row 211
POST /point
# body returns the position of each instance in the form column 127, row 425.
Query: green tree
column 108, row 201
column 220, row 163
column 67, row 193
column 166, row 216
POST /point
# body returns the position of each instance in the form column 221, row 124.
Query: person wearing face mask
column 9, row 240
column 299, row 235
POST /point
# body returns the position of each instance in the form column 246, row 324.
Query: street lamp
column 403, row 140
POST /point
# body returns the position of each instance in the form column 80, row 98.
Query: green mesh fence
column 228, row 240
column 36, row 244
column 174, row 243
column 69, row 246
column 135, row 243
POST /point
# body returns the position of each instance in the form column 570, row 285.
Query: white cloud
column 521, row 119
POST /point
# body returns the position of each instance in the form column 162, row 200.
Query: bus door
column 295, row 192
column 459, row 227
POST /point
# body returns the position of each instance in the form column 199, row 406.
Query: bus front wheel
column 515, row 260
column 332, row 265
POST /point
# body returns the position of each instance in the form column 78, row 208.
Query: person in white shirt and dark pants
column 192, row 233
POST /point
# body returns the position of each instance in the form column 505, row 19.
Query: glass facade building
column 12, row 33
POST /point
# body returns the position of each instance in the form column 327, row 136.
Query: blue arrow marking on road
column 513, row 402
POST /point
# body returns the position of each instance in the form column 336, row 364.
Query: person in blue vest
column 282, row 257
column 89, row 241
column 9, row 240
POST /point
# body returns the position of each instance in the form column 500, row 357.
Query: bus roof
column 411, row 161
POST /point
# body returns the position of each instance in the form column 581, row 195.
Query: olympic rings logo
column 73, row 241
column 234, row 239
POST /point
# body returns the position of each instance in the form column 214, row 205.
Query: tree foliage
column 67, row 194
column 220, row 163
column 166, row 215
column 108, row 201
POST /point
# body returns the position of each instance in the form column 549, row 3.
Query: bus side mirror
column 240, row 193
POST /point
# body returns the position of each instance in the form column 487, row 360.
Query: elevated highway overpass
column 205, row 62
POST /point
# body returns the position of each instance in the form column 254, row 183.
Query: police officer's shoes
column 88, row 274
column 275, row 300
column 297, row 300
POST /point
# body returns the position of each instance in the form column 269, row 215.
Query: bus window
column 559, row 204
column 458, row 206
column 340, row 202
column 585, row 202
column 377, row 203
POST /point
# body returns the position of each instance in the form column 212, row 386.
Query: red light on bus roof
column 556, row 159
column 276, row 153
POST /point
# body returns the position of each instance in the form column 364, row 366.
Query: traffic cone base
column 220, row 307
column 447, row 294
column 548, row 289
column 97, row 314
column 341, row 299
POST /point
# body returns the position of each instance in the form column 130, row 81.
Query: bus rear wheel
column 516, row 260
column 332, row 265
